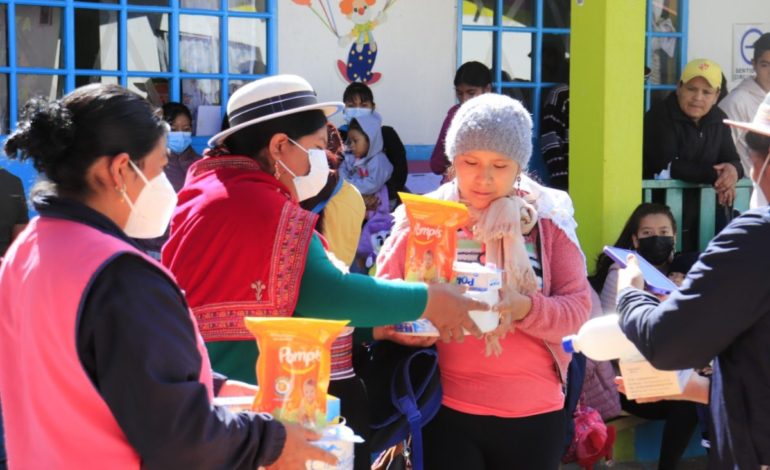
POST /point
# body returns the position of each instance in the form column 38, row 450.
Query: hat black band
column 272, row 105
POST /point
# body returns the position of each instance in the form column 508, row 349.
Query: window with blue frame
column 193, row 51
column 526, row 44
column 666, row 48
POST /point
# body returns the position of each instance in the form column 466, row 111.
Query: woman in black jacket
column 685, row 131
column 684, row 139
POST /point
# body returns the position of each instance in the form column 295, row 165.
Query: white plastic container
column 483, row 283
column 421, row 327
column 337, row 439
column 478, row 277
column 486, row 320
column 601, row 339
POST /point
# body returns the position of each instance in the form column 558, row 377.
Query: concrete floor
column 698, row 463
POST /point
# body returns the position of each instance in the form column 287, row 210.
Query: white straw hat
column 270, row 98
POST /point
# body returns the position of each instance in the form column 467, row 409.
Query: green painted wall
column 606, row 112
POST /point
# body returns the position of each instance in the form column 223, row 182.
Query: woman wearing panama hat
column 241, row 245
column 722, row 312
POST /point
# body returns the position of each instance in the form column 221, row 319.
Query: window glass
column 4, row 114
column 477, row 45
column 255, row 6
column 203, row 97
column 147, row 41
column 515, row 58
column 554, row 64
column 200, row 4
column 96, row 41
column 556, row 13
column 247, row 43
column 156, row 3
column 514, row 12
column 664, row 63
column 39, row 31
column 198, row 44
column 665, row 15
column 233, row 86
column 155, row 89
column 3, row 37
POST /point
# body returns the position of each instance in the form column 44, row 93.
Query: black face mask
column 656, row 249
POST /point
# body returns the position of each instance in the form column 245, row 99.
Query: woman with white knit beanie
column 503, row 395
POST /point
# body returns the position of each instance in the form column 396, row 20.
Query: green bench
column 673, row 195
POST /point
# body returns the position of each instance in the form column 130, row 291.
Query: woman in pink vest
column 101, row 362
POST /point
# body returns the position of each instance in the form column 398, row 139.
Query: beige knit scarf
column 501, row 228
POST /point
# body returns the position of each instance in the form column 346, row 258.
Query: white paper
column 641, row 380
column 209, row 120
column 421, row 183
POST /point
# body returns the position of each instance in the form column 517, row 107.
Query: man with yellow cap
column 684, row 139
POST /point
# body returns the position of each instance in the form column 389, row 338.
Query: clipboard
column 654, row 280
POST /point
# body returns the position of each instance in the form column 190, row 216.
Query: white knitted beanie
column 491, row 122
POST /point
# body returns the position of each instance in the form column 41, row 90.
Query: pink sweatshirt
column 523, row 380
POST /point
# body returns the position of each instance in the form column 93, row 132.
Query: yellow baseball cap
column 705, row 68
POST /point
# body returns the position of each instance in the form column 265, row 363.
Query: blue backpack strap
column 407, row 403
column 322, row 205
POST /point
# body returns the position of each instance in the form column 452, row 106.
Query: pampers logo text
column 298, row 361
column 427, row 232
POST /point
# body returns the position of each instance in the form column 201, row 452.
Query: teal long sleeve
column 328, row 293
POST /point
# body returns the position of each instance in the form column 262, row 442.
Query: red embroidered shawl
column 238, row 245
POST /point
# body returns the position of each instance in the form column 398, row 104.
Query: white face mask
column 152, row 210
column 758, row 197
column 311, row 184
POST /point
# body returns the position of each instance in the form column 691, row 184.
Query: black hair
column 474, row 74
column 360, row 90
column 251, row 141
column 625, row 240
column 63, row 138
column 722, row 89
column 761, row 46
column 172, row 109
column 759, row 143
column 334, row 149
column 356, row 126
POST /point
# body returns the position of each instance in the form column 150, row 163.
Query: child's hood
column 371, row 123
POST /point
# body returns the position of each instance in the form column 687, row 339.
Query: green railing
column 673, row 197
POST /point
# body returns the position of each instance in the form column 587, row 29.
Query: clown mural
column 365, row 15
